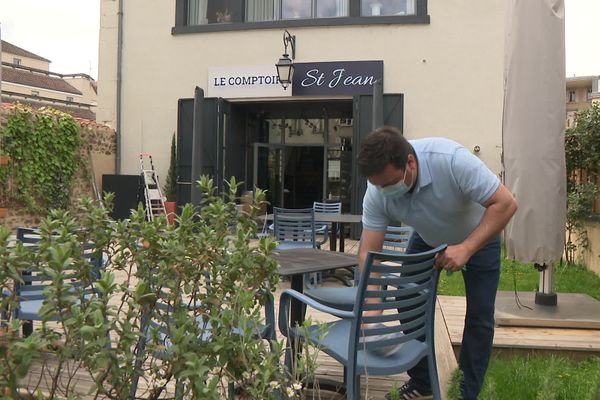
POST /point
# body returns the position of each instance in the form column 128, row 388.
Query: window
column 377, row 8
column 589, row 94
column 69, row 99
column 202, row 12
column 215, row 15
column 17, row 61
column 572, row 97
column 272, row 10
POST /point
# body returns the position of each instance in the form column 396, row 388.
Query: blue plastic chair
column 323, row 228
column 155, row 326
column 395, row 240
column 294, row 228
column 30, row 293
column 385, row 344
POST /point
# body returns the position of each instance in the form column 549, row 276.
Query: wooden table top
column 301, row 261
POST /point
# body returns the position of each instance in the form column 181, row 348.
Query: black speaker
column 128, row 192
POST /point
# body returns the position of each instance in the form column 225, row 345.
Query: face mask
column 397, row 189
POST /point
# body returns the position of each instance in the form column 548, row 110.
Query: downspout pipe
column 119, row 83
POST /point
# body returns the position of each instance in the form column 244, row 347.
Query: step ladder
column 155, row 202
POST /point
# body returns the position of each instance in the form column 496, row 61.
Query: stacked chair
column 389, row 342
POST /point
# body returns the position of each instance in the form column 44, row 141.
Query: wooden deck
column 577, row 343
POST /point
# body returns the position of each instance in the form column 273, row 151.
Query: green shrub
column 204, row 268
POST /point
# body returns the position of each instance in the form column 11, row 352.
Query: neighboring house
column 581, row 92
column 26, row 78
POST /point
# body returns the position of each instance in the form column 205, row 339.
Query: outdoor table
column 338, row 220
column 297, row 262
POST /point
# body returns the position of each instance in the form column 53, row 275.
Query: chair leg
column 352, row 382
column 433, row 376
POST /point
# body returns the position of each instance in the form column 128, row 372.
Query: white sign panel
column 245, row 81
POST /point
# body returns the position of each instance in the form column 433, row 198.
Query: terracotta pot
column 4, row 160
column 171, row 207
column 3, row 212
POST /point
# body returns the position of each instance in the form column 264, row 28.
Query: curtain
column 259, row 10
column 197, row 12
column 342, row 8
column 410, row 7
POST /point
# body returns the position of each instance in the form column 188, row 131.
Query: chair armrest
column 284, row 306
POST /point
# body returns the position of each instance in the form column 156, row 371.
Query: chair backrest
column 294, row 225
column 35, row 281
column 406, row 298
column 397, row 237
column 327, row 208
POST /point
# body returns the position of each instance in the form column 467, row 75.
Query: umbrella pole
column 546, row 296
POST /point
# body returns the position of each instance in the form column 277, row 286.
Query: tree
column 582, row 152
column 171, row 182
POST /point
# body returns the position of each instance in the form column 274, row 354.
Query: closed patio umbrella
column 533, row 136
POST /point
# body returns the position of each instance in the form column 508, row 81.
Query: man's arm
column 499, row 210
column 370, row 241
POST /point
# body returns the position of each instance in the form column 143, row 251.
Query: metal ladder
column 155, row 202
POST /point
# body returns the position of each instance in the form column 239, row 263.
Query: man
column 449, row 196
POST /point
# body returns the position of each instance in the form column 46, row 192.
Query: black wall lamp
column 285, row 65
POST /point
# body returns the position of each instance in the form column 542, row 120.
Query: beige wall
column 26, row 61
column 591, row 257
column 451, row 71
column 84, row 85
column 27, row 90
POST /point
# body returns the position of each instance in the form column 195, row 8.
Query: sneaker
column 408, row 391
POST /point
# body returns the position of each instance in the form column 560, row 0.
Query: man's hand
column 453, row 258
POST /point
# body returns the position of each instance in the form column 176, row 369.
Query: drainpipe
column 119, row 80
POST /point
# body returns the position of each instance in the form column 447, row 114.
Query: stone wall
column 99, row 160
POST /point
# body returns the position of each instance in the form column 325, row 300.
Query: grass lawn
column 538, row 377
column 567, row 279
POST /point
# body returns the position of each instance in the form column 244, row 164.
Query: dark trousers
column 481, row 282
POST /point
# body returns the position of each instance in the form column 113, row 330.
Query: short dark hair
column 381, row 147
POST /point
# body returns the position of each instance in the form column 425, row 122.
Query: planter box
column 4, row 160
column 3, row 212
column 171, row 208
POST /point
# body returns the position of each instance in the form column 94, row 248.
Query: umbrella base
column 572, row 310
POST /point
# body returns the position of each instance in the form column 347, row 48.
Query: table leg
column 333, row 238
column 297, row 308
column 342, row 234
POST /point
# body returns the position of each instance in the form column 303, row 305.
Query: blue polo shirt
column 447, row 202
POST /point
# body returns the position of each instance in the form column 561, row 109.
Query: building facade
column 441, row 63
column 26, row 78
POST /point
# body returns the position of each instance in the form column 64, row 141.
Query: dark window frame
column 354, row 18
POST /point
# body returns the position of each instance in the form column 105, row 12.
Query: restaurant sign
column 245, row 81
column 336, row 77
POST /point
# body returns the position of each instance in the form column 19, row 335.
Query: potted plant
column 171, row 184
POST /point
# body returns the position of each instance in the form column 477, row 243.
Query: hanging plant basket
column 4, row 160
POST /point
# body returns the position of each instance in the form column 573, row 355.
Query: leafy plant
column 582, row 151
column 201, row 282
column 44, row 151
column 171, row 182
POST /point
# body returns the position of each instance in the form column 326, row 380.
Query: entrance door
column 303, row 176
column 268, row 172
